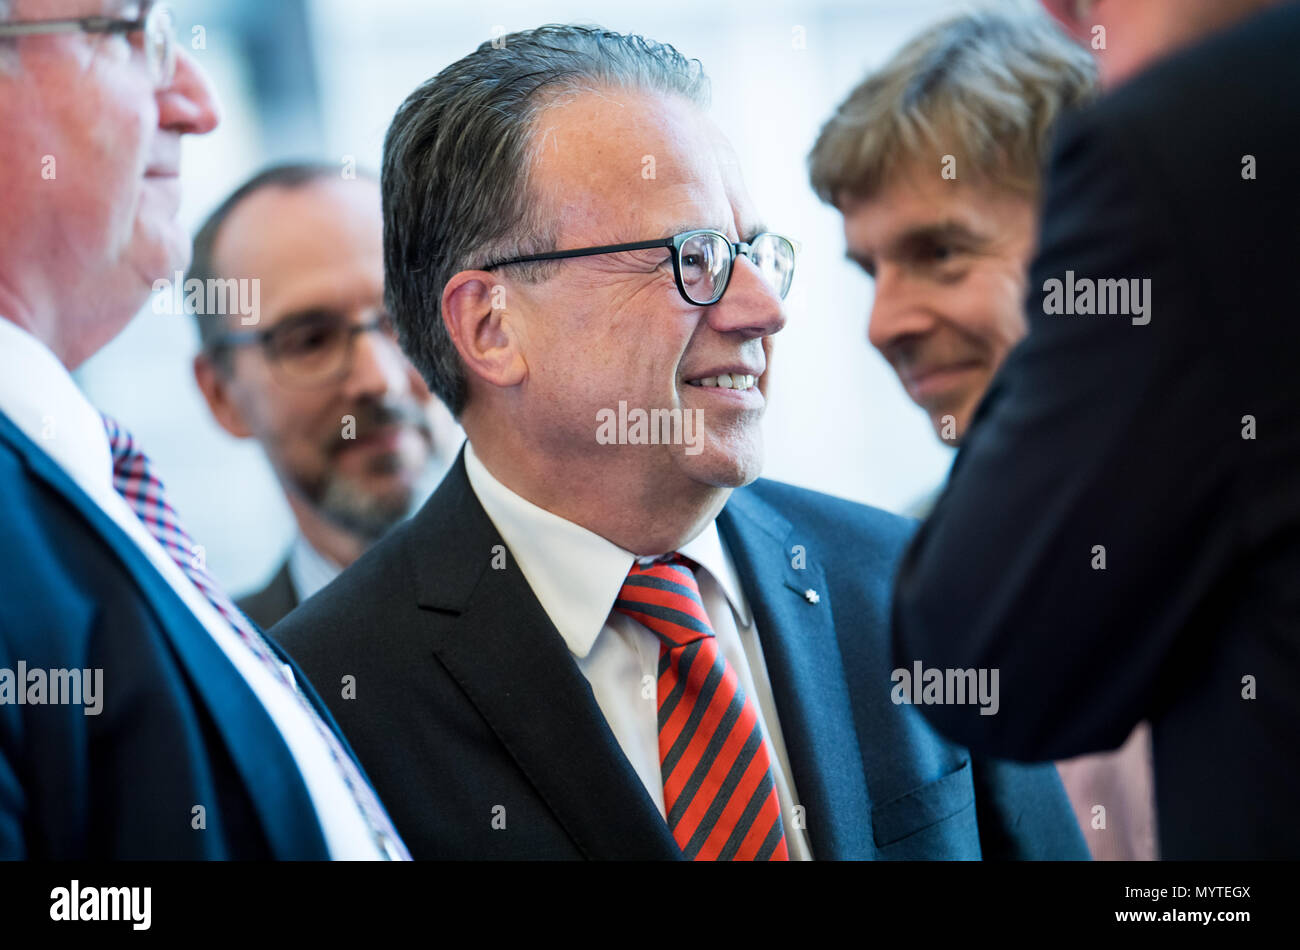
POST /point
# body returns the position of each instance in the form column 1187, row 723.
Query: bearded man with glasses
column 637, row 649
column 177, row 731
column 349, row 427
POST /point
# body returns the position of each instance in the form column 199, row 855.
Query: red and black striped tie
column 719, row 795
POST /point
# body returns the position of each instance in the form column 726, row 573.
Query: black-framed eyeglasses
column 155, row 21
column 702, row 261
column 307, row 351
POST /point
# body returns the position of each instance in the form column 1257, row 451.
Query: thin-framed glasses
column 155, row 21
column 703, row 261
column 311, row 350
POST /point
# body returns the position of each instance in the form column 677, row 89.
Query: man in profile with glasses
column 141, row 714
column 627, row 649
column 346, row 422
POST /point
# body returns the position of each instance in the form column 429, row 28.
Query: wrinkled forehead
column 613, row 166
column 913, row 200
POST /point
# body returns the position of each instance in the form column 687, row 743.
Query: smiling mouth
column 740, row 381
column 935, row 381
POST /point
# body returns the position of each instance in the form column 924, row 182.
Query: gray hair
column 457, row 166
column 986, row 87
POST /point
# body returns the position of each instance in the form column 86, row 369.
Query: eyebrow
column 862, row 260
column 324, row 311
column 309, row 314
column 949, row 230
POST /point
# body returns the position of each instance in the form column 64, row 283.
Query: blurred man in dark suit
column 598, row 639
column 319, row 381
column 935, row 160
column 141, row 715
column 1121, row 532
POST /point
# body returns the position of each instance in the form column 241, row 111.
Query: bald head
column 325, row 390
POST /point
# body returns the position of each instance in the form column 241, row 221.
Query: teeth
column 739, row 381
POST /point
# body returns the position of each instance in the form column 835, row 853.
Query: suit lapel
column 252, row 739
column 272, row 603
column 491, row 633
column 806, row 672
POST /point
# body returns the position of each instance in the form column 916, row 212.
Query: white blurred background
column 320, row 79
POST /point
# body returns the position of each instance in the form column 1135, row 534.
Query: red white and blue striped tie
column 135, row 481
column 719, row 796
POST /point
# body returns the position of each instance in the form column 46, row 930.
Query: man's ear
column 215, row 387
column 483, row 328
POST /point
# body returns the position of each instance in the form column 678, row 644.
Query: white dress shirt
column 309, row 570
column 577, row 576
column 40, row 398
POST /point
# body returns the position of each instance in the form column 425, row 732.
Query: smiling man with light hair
column 1121, row 531
column 936, row 162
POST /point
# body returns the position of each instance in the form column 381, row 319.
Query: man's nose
column 378, row 368
column 897, row 312
column 188, row 104
column 750, row 305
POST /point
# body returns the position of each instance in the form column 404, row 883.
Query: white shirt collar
column 309, row 570
column 575, row 573
column 707, row 550
column 40, row 396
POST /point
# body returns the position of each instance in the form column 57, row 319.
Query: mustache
column 906, row 356
column 372, row 416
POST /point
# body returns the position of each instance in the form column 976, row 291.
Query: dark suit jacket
column 178, row 727
column 272, row 603
column 1098, row 433
column 466, row 698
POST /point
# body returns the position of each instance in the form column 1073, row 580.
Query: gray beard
column 365, row 516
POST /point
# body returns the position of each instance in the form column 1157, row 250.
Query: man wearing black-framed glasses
column 603, row 636
column 703, row 261
column 349, row 427
column 190, row 736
